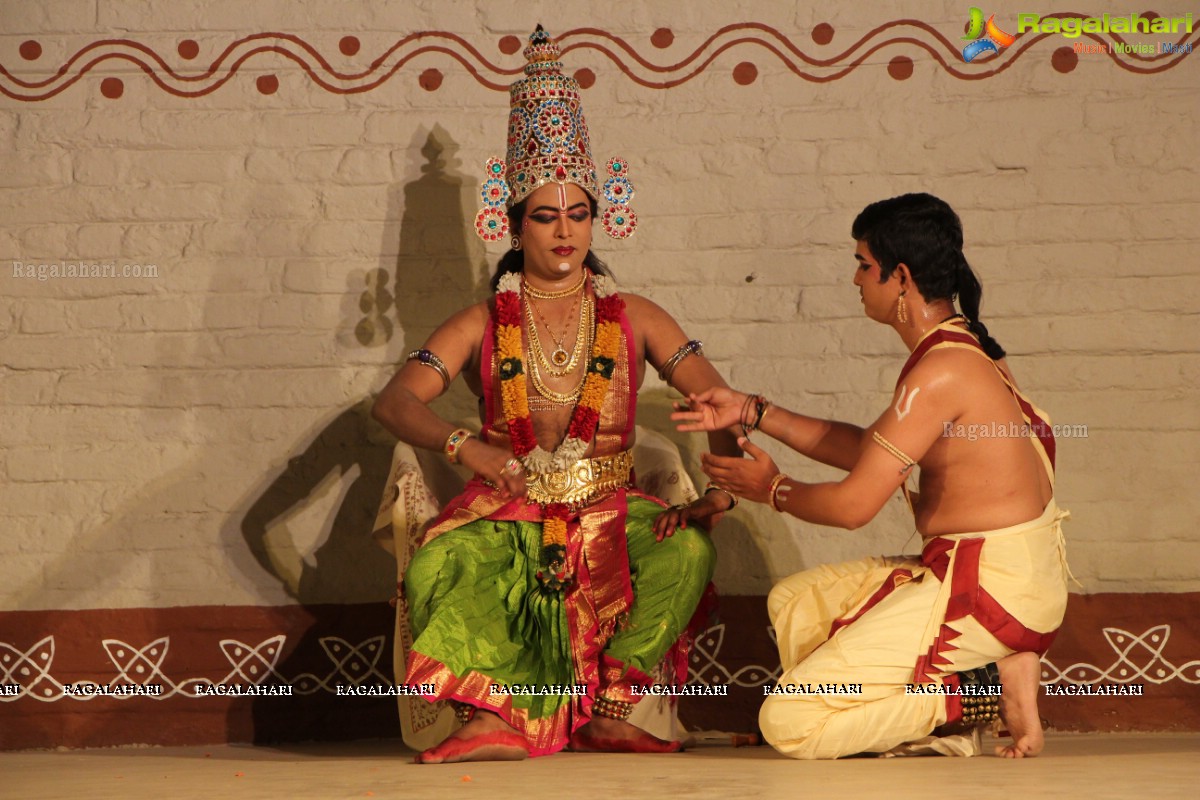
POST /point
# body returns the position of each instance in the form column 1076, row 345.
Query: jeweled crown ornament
column 548, row 143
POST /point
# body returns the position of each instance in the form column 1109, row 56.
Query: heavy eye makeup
column 549, row 217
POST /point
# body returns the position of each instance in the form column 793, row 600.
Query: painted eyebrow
column 554, row 210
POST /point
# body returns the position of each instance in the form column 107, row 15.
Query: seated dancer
column 550, row 568
column 990, row 584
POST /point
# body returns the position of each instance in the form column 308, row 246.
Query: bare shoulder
column 471, row 318
column 951, row 378
column 462, row 332
column 644, row 311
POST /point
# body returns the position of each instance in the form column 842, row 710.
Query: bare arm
column 837, row 444
column 403, row 405
column 693, row 374
column 873, row 478
column 662, row 339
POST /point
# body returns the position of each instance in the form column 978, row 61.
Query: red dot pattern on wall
column 112, row 88
column 1064, row 60
column 900, row 68
column 430, row 80
column 662, row 38
column 745, row 73
column 267, row 84
column 636, row 61
column 585, row 77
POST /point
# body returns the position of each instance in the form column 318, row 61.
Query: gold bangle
column 776, row 482
column 733, row 501
column 895, row 451
column 454, row 443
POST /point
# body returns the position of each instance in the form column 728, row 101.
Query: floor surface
column 1074, row 766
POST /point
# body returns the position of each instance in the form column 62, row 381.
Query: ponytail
column 970, row 292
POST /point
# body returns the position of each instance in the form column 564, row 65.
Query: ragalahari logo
column 987, row 36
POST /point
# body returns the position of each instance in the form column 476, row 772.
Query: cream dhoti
column 881, row 625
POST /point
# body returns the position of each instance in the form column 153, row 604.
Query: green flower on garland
column 510, row 368
column 603, row 366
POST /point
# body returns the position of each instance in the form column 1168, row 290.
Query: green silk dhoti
column 482, row 621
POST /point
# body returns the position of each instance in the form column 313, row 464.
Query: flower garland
column 584, row 420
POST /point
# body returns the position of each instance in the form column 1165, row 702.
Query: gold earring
column 902, row 308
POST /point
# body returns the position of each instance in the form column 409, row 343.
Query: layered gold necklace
column 560, row 362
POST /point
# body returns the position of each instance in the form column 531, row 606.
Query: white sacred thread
column 900, row 415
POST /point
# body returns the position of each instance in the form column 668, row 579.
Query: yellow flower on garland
column 508, row 341
column 512, row 395
column 554, row 532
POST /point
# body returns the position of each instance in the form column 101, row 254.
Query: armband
column 693, row 348
column 430, row 359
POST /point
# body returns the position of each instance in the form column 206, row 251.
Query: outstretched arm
column 907, row 434
column 837, row 444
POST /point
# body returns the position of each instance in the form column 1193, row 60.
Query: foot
column 485, row 738
column 603, row 735
column 1019, row 674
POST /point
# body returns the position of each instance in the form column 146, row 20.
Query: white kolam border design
column 1138, row 658
column 355, row 665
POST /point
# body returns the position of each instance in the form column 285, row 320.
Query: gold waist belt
column 582, row 482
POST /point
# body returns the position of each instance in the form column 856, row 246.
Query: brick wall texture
column 192, row 429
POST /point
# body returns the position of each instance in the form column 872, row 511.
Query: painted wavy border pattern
column 748, row 40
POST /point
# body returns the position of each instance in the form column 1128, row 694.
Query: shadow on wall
column 341, row 469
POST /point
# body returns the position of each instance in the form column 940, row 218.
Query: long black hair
column 514, row 260
column 923, row 232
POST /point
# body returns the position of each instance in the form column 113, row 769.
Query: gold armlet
column 895, row 451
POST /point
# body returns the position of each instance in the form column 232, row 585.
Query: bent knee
column 795, row 726
column 694, row 552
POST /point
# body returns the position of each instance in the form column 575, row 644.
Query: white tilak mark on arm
column 900, row 415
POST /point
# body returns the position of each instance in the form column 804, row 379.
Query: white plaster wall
column 200, row 437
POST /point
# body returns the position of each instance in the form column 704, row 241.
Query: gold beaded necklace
column 583, row 344
column 540, row 294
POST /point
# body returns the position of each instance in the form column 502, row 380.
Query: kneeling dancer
column 917, row 637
